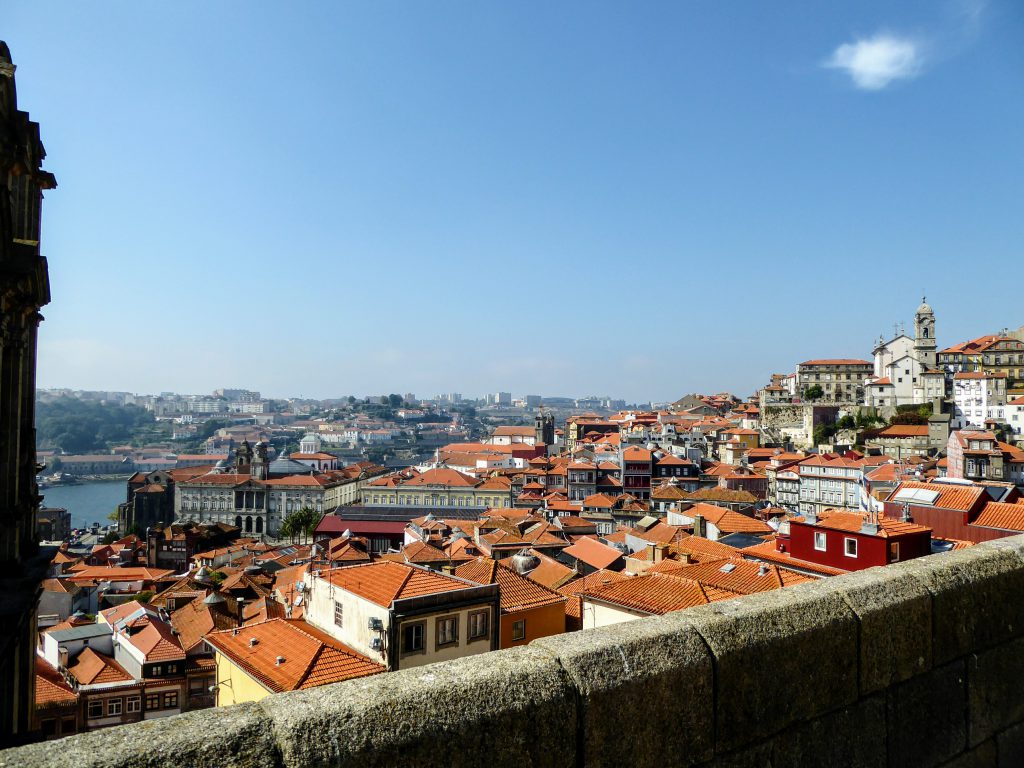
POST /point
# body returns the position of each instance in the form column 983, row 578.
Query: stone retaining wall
column 917, row 664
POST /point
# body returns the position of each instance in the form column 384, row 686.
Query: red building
column 852, row 542
column 957, row 509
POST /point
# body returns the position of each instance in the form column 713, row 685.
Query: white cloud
column 875, row 62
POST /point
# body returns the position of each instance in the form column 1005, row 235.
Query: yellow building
column 440, row 487
column 279, row 655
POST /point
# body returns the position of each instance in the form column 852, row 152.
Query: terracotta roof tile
column 1008, row 517
column 767, row 551
column 291, row 654
column 593, row 553
column 728, row 521
column 656, row 594
column 739, row 575
column 516, row 593
column 963, row 498
column 92, row 668
column 382, row 582
column 158, row 643
column 195, row 620
column 50, row 686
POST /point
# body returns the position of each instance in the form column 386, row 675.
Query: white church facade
column 905, row 369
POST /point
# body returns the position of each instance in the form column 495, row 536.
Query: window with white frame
column 820, row 541
column 850, row 547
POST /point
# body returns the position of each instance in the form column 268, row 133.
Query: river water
column 88, row 503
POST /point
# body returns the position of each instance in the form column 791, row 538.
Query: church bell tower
column 924, row 335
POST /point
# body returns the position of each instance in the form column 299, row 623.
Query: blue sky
column 639, row 200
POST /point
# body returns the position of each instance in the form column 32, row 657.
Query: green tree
column 846, row 422
column 866, row 420
column 301, row 522
column 84, row 426
column 823, row 433
column 395, row 401
column 145, row 595
column 814, row 392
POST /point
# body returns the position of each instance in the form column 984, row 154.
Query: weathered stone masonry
column 917, row 664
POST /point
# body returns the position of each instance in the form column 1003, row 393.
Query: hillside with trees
column 83, row 426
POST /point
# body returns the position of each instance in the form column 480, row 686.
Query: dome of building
column 924, row 309
column 213, row 599
column 283, row 465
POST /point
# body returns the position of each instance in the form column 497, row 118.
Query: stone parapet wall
column 917, row 664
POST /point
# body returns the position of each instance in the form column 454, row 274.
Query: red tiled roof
column 383, row 582
column 837, row 520
column 50, row 686
column 593, row 553
column 766, row 551
column 657, row 594
column 291, row 654
column 90, row 667
column 979, row 375
column 701, row 549
column 195, row 620
column 517, row 593
column 1008, row 517
column 837, row 362
column 105, row 573
column 442, row 476
column 904, row 430
column 550, row 573
column 742, row 576
column 158, row 643
column 962, row 498
column 728, row 521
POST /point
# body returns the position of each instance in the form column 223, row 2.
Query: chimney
column 659, row 552
column 762, row 569
column 253, row 642
column 699, row 526
column 279, row 661
column 652, row 551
